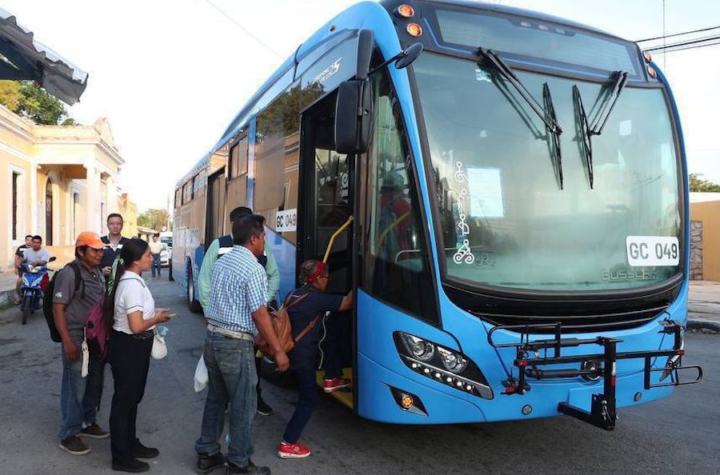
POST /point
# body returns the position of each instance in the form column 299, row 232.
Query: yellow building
column 128, row 210
column 57, row 181
column 705, row 238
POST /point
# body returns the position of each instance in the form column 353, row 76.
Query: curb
column 700, row 324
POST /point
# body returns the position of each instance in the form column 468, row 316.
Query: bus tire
column 193, row 304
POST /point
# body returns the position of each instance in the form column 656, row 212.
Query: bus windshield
column 507, row 221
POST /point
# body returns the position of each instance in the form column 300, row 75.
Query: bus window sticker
column 486, row 198
column 464, row 252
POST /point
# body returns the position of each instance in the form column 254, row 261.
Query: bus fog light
column 638, row 396
column 526, row 409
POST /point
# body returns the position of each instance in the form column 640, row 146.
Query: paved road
column 676, row 435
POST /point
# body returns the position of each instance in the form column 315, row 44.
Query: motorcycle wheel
column 26, row 308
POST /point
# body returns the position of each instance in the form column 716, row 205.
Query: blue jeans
column 231, row 378
column 79, row 397
column 156, row 264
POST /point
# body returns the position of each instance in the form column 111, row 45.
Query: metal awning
column 23, row 58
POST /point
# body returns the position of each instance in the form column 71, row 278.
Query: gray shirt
column 31, row 255
column 78, row 306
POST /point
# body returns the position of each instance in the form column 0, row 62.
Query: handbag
column 159, row 348
column 280, row 320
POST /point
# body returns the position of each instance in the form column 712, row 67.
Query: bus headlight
column 420, row 349
column 451, row 360
column 442, row 365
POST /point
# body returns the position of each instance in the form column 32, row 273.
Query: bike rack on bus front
column 593, row 366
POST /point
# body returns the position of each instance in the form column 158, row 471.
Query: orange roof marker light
column 652, row 72
column 413, row 29
column 405, row 11
column 647, row 56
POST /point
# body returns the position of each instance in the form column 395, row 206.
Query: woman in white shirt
column 134, row 316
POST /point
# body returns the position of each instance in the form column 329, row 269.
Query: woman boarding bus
column 518, row 190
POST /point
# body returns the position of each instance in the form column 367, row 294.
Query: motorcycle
column 31, row 289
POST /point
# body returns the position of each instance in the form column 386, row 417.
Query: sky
column 170, row 75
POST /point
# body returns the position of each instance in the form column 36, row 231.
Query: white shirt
column 132, row 295
column 31, row 255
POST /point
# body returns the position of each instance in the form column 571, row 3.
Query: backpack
column 280, row 320
column 97, row 331
column 48, row 299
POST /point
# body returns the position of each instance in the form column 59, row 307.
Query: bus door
column 215, row 206
column 325, row 204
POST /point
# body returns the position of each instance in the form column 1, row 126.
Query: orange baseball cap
column 89, row 239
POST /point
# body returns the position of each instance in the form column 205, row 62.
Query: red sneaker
column 334, row 384
column 292, row 451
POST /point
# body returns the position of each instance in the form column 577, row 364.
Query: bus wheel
column 193, row 304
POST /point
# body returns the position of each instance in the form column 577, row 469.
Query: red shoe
column 292, row 451
column 334, row 384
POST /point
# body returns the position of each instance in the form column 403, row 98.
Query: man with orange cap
column 78, row 287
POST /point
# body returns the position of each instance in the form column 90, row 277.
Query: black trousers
column 129, row 359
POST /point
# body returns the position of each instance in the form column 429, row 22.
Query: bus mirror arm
column 403, row 59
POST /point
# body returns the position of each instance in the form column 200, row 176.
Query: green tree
column 29, row 100
column 698, row 184
column 154, row 219
column 10, row 95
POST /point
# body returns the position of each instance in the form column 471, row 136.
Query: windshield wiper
column 615, row 90
column 554, row 145
column 505, row 71
column 586, row 131
column 545, row 112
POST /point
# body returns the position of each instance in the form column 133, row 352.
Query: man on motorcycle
column 35, row 255
column 19, row 258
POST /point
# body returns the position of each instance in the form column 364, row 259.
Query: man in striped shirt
column 236, row 312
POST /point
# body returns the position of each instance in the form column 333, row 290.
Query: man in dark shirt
column 114, row 242
column 72, row 303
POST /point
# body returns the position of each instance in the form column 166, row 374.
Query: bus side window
column 396, row 265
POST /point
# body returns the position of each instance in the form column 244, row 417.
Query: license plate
column 645, row 251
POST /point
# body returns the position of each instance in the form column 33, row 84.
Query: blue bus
column 518, row 191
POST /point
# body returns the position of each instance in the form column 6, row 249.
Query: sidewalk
column 7, row 288
column 704, row 305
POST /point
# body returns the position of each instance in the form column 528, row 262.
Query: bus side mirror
column 353, row 116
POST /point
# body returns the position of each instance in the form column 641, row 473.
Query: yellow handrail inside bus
column 332, row 238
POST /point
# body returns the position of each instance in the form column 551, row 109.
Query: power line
column 673, row 50
column 258, row 40
column 684, row 43
column 678, row 34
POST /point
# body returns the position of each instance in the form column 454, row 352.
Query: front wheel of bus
column 193, row 304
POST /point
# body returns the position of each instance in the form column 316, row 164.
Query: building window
column 15, row 205
column 75, row 212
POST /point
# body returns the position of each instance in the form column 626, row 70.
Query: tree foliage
column 697, row 183
column 154, row 218
column 29, row 100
